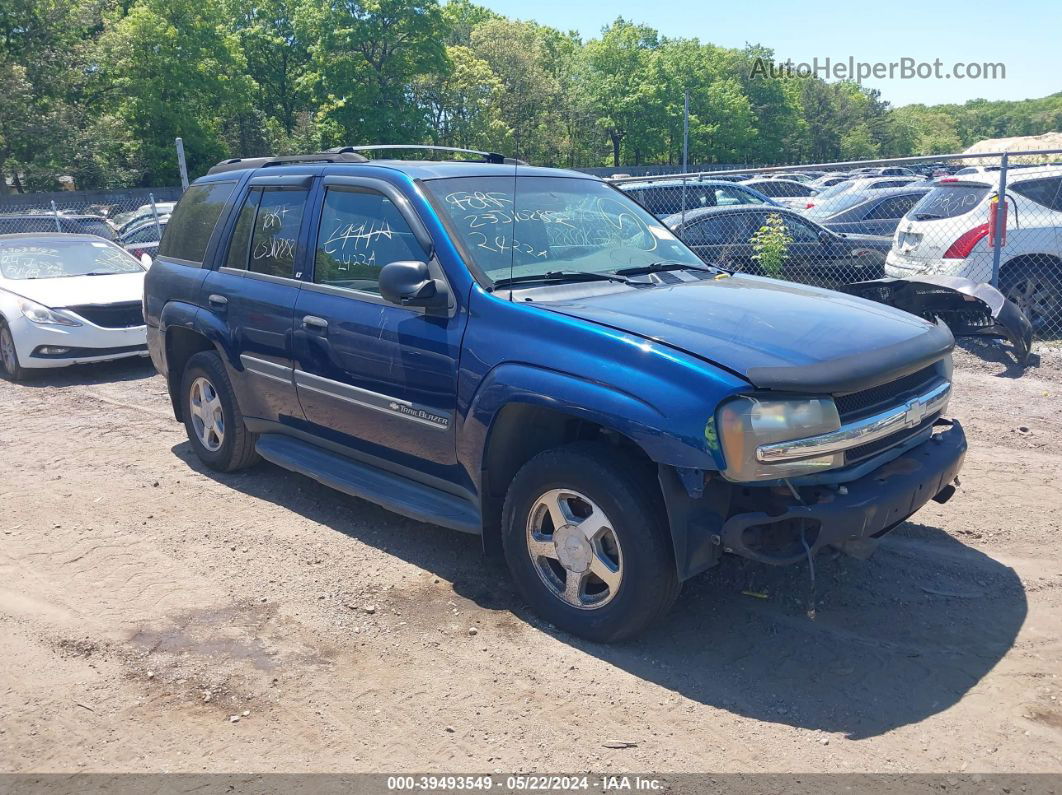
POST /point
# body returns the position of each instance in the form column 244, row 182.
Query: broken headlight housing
column 744, row 423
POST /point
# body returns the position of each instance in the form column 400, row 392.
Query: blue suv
column 529, row 355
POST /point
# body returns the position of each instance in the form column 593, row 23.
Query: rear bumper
column 855, row 517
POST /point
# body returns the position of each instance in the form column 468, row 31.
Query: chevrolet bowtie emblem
column 916, row 412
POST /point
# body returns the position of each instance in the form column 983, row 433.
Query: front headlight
column 745, row 423
column 38, row 313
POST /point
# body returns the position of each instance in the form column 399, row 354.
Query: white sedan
column 68, row 299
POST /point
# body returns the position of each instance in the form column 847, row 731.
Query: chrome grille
column 868, row 401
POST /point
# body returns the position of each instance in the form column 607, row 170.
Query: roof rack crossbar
column 488, row 157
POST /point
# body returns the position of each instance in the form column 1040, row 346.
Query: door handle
column 218, row 300
column 312, row 321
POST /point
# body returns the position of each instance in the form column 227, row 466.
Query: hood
column 79, row 290
column 776, row 335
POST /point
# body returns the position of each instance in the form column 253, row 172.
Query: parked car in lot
column 125, row 222
column 19, row 223
column 144, row 237
column 829, row 180
column 947, row 233
column 860, row 185
column 671, row 196
column 529, row 355
column 67, row 299
column 815, row 255
column 870, row 212
column 787, row 192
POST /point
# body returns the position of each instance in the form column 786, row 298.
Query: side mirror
column 145, row 260
column 409, row 283
column 825, row 237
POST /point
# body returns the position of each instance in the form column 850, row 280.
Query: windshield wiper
column 656, row 267
column 563, row 276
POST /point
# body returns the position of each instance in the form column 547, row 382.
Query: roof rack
column 340, row 155
column 488, row 157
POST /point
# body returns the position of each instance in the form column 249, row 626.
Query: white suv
column 947, row 233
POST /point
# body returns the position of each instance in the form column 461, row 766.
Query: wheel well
column 518, row 434
column 1030, row 260
column 181, row 345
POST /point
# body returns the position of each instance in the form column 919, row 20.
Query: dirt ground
column 158, row 617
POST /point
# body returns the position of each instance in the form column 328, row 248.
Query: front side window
column 193, row 221
column 360, row 232
column 527, row 226
column 51, row 258
column 801, row 231
column 725, row 197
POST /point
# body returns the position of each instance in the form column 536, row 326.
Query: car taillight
column 962, row 247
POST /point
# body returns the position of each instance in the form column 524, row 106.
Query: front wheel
column 212, row 417
column 586, row 541
column 8, row 355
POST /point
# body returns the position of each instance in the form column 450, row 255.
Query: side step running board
column 393, row 492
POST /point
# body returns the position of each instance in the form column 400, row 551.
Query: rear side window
column 193, row 221
column 276, row 232
column 893, row 207
column 1047, row 192
column 361, row 231
column 721, row 230
column 947, row 201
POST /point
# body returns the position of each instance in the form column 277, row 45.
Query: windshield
column 836, row 204
column 53, row 259
column 553, row 224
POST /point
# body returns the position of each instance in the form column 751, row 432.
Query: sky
column 1024, row 35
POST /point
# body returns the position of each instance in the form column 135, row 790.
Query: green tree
column 366, row 60
column 174, row 69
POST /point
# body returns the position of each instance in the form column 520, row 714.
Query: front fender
column 666, row 437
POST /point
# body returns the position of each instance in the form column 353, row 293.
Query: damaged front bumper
column 855, row 516
column 969, row 308
column 781, row 526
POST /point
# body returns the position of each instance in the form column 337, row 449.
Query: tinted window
column 144, row 234
column 193, row 221
column 1042, row 191
column 240, row 243
column 947, row 201
column 361, row 231
column 90, row 226
column 801, row 231
column 276, row 232
column 721, row 230
column 732, row 195
column 893, row 207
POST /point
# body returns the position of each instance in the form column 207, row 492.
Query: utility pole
column 182, row 165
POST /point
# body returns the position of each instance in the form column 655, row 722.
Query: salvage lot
column 146, row 602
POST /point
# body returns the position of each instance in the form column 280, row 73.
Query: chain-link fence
column 832, row 224
column 827, row 224
column 133, row 218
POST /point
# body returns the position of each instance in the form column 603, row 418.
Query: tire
column 9, row 356
column 212, row 417
column 631, row 547
column 1036, row 288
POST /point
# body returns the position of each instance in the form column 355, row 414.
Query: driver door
column 377, row 378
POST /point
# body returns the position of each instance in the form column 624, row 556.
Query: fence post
column 155, row 212
column 1001, row 220
column 55, row 212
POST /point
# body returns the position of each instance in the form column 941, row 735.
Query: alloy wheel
column 574, row 549
column 208, row 417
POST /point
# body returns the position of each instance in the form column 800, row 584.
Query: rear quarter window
column 947, row 201
column 1047, row 192
column 193, row 221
